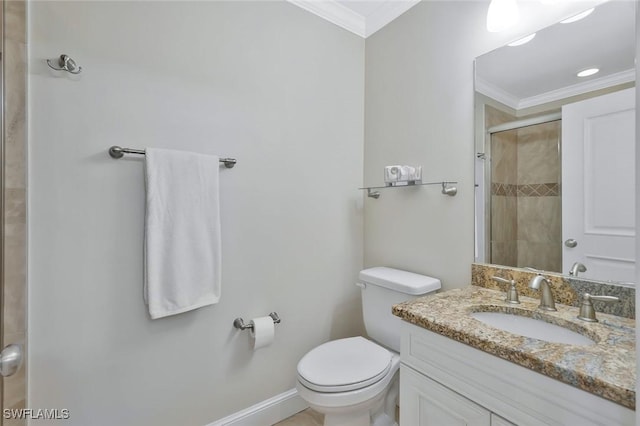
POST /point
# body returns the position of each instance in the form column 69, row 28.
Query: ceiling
column 544, row 69
column 362, row 17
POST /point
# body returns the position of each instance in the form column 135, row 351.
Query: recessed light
column 578, row 17
column 588, row 72
column 522, row 41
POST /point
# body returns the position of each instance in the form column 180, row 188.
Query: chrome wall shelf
column 447, row 188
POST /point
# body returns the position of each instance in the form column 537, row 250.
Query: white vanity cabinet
column 444, row 382
column 425, row 402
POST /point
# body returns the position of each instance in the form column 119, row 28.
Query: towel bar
column 239, row 322
column 118, row 152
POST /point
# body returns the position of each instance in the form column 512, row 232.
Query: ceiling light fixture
column 502, row 14
column 578, row 17
column 522, row 41
column 588, row 72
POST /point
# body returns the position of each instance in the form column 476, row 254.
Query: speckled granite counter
column 606, row 369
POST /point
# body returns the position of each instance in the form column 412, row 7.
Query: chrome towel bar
column 118, row 152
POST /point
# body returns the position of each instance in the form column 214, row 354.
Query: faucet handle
column 502, row 280
column 512, row 291
column 587, row 311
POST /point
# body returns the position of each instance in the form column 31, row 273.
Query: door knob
column 10, row 360
column 571, row 243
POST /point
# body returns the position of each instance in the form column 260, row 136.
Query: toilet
column 354, row 381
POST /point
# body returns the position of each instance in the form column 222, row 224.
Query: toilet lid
column 344, row 365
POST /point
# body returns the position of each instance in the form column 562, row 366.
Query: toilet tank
column 381, row 289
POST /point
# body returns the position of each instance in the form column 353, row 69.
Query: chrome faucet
column 546, row 296
column 577, row 267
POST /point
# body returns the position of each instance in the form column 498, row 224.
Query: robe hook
column 65, row 63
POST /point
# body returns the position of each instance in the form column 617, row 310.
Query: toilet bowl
column 355, row 381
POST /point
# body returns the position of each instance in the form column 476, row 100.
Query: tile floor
column 310, row 417
column 307, row 417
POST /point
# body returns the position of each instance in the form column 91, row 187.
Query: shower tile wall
column 525, row 195
column 14, row 300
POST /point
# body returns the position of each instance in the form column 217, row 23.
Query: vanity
column 456, row 369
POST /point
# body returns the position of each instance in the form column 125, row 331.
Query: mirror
column 555, row 184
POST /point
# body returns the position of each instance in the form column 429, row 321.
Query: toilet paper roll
column 263, row 332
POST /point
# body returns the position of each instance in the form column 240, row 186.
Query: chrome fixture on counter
column 65, row 63
column 118, row 152
column 546, row 295
column 512, row 291
column 587, row 311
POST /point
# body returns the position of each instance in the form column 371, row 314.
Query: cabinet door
column 424, row 402
column 496, row 420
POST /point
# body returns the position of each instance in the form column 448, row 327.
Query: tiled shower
column 526, row 207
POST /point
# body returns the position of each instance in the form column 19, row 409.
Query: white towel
column 182, row 232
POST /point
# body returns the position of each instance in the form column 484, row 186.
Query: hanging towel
column 182, row 232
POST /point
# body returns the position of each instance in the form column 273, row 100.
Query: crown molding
column 335, row 13
column 496, row 93
column 579, row 89
column 516, row 103
column 388, row 11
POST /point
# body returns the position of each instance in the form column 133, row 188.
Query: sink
column 530, row 327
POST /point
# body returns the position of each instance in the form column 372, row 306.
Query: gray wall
column 265, row 82
column 281, row 90
column 419, row 111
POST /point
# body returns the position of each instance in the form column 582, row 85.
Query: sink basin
column 533, row 328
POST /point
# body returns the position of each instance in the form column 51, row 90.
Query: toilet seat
column 344, row 365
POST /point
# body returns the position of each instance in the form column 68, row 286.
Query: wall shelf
column 447, row 188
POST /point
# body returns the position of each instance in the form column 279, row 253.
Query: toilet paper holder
column 239, row 322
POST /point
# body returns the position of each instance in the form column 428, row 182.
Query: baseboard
column 266, row 412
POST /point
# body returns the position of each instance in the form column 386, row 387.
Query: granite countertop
column 606, row 369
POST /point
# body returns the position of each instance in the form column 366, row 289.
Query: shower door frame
column 487, row 176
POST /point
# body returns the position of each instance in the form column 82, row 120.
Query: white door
column 598, row 186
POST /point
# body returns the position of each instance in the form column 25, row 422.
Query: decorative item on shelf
column 65, row 63
column 447, row 188
column 402, row 175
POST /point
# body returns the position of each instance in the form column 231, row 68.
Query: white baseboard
column 266, row 412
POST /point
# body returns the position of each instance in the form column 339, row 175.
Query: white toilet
column 354, row 381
